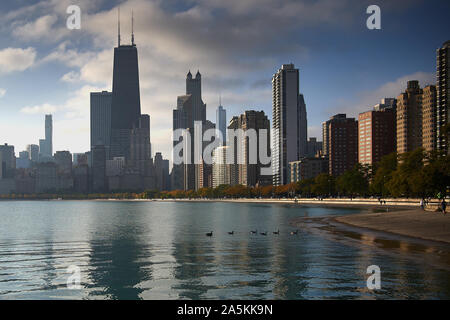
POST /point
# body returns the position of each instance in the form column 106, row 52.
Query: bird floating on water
column 294, row 232
column 264, row 233
column 209, row 234
column 231, row 232
column 277, row 232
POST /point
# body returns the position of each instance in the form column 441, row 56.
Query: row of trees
column 413, row 174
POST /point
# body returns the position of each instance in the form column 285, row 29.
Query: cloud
column 367, row 99
column 39, row 109
column 38, row 29
column 2, row 92
column 71, row 76
column 16, row 59
column 236, row 44
column 70, row 57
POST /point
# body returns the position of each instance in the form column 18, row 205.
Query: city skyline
column 76, row 63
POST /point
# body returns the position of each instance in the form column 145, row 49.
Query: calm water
column 154, row 250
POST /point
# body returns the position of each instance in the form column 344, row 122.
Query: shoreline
column 402, row 217
column 413, row 223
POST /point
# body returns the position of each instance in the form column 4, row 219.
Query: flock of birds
column 294, row 233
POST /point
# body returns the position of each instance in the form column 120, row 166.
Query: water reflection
column 119, row 261
column 154, row 250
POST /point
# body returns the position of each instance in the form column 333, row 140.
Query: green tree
column 383, row 174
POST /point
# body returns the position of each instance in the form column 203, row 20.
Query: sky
column 236, row 44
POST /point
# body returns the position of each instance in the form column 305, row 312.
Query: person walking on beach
column 443, row 206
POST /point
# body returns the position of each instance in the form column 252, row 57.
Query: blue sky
column 237, row 45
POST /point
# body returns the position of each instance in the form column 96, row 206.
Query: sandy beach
column 415, row 223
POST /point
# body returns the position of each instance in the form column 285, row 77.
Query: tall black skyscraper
column 126, row 101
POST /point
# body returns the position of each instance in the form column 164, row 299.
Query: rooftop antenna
column 118, row 26
column 132, row 28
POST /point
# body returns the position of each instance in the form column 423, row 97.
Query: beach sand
column 415, row 223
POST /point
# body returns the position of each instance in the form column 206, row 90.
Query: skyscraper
column 429, row 112
column 99, row 183
column 46, row 145
column 49, row 134
column 289, row 122
column 101, row 119
column 443, row 95
column 377, row 134
column 190, row 109
column 409, row 118
column 7, row 161
column 220, row 167
column 343, row 144
column 33, row 152
column 126, row 101
column 249, row 171
column 221, row 122
column 314, row 147
column 140, row 152
column 325, row 138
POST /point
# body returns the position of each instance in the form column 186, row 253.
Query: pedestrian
column 421, row 203
column 443, row 206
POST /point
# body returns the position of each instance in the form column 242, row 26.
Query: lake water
column 159, row 250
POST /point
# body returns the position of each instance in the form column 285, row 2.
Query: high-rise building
column 307, row 168
column 49, row 134
column 101, row 119
column 63, row 160
column 140, row 152
column 443, row 95
column 203, row 171
column 221, row 123
column 46, row 145
column 190, row 109
column 289, row 122
column 220, row 167
column 325, row 138
column 429, row 111
column 234, row 148
column 99, row 169
column 343, row 144
column 7, row 161
column 314, row 147
column 80, row 159
column 409, row 118
column 161, row 172
column 23, row 161
column 126, row 102
column 376, row 133
column 33, row 152
column 250, row 170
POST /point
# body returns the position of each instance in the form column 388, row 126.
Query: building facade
column 314, row 147
column 429, row 113
column 101, row 119
column 307, row 168
column 220, row 167
column 343, row 144
column 376, row 134
column 289, row 122
column 221, row 123
column 409, row 118
column 443, row 95
column 190, row 115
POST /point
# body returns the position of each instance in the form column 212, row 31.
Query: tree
column 355, row 181
column 324, row 185
column 383, row 173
